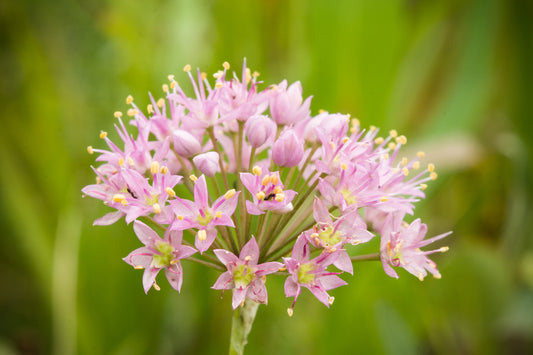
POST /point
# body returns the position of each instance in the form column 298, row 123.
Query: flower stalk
column 241, row 325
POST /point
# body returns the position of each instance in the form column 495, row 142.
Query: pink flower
column 311, row 274
column 267, row 191
column 286, row 105
column 158, row 254
column 198, row 214
column 244, row 275
column 259, row 130
column 288, row 149
column 400, row 246
column 207, row 163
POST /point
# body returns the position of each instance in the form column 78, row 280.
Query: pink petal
column 331, row 281
column 109, row 218
column 344, row 262
column 149, row 278
column 253, row 209
column 268, row 268
column 238, row 297
column 174, row 276
column 145, row 234
column 226, row 257
column 320, row 294
column 203, row 245
column 320, row 212
column 140, row 257
column 200, row 193
column 224, row 281
column 250, row 249
column 292, row 289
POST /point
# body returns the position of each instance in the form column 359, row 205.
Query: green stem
column 243, row 318
column 366, row 257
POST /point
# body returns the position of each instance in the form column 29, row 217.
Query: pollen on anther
column 372, row 128
column 404, row 161
column 161, row 103
column 170, row 191
column 290, row 312
column 401, row 140
column 331, row 300
column 225, row 65
column 132, row 112
column 157, row 208
column 103, row 134
column 416, row 165
column 203, row 75
column 229, row 194
column 391, row 145
column 265, row 180
column 129, row 99
column 154, row 168
column 405, row 171
column 219, row 84
column 431, row 167
column 444, row 249
column 117, row 114
column 274, row 179
column 378, row 140
column 120, row 161
column 423, row 186
column 345, row 139
column 260, row 195
column 393, row 133
column 90, row 150
column 218, row 214
column 156, row 287
column 180, row 217
column 165, row 87
column 187, row 68
column 384, row 199
column 280, row 197
column 118, row 197
column 278, row 190
column 202, row 235
column 344, row 166
column 150, row 108
column 124, row 203
column 257, row 170
column 130, row 161
column 193, row 178
column 173, row 85
column 138, row 267
column 433, row 176
column 170, row 77
column 255, row 74
column 164, row 170
column 420, row 154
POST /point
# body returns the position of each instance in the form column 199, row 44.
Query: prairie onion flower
column 260, row 187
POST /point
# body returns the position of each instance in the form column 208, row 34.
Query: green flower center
column 330, row 238
column 165, row 256
column 304, row 273
column 204, row 220
column 243, row 275
column 150, row 201
column 348, row 197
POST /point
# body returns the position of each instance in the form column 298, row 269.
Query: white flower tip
column 290, row 312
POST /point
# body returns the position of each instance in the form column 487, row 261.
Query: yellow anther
column 132, row 112
column 416, row 165
column 353, row 129
column 355, row 122
column 378, row 140
column 175, row 261
column 372, row 128
column 344, row 166
column 282, row 269
column 322, row 111
column 229, row 194
column 218, row 214
column 248, row 258
column 405, row 224
column 420, row 154
column 280, row 197
column 164, row 170
column 420, row 276
column 423, row 186
column 117, row 114
column 391, row 145
column 187, row 68
column 401, row 140
column 180, row 217
column 257, row 170
column 154, row 168
column 437, row 276
column 431, row 167
column 203, row 76
column 218, row 74
column 170, row 77
column 404, row 161
column 225, row 65
column 150, row 108
column 90, row 150
column 170, row 191
column 124, row 203
column 157, row 208
column 173, row 85
column 161, row 103
column 260, row 195
column 103, row 134
column 393, row 133
column 156, row 287
column 193, row 178
column 266, row 180
column 138, row 267
column 444, row 249
column 345, row 139
column 129, row 99
column 202, row 234
column 385, row 157
column 118, row 197
column 332, row 145
column 290, row 312
column 331, row 300
column 165, row 87
column 255, row 74
column 98, row 180
column 384, row 199
column 248, row 75
column 274, row 179
column 433, row 176
column 278, row 190
column 396, row 170
column 405, row 171
column 120, row 161
column 219, row 84
column 130, row 161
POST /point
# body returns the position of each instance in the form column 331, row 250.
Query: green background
column 454, row 76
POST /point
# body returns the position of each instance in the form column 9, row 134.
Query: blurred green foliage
column 454, row 76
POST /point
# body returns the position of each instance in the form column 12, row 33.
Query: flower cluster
column 235, row 170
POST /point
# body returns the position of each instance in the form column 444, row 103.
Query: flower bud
column 259, row 129
column 288, row 150
column 286, row 105
column 207, row 163
column 185, row 144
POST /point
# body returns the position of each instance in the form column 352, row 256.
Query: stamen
column 260, row 195
column 117, row 114
column 129, row 99
column 175, row 261
column 257, row 170
column 170, row 192
column 138, row 267
column 247, row 258
column 225, row 65
column 265, row 180
column 229, row 194
column 444, row 249
column 124, row 203
column 344, row 166
column 331, row 300
column 130, row 161
column 173, row 85
column 280, row 197
column 103, row 134
column 161, row 103
column 180, row 217
column 355, row 122
column 290, row 312
column 120, row 161
column 193, row 178
column 219, row 84
column 278, row 190
column 372, row 128
column 282, row 269
column 150, row 108
column 218, row 214
column 391, row 145
column 90, row 150
column 154, row 168
column 345, row 139
column 385, row 157
column 420, row 154
column 404, row 161
column 165, row 87
column 405, row 171
column 433, row 176
column 157, row 208
column 164, row 170
column 203, row 76
column 202, row 235
column 118, row 197
column 431, row 167
column 393, row 133
column 156, row 287
column 401, row 140
column 255, row 74
column 378, row 140
column 384, row 199
column 187, row 68
column 171, row 77
column 416, row 165
column 132, row 112
column 423, row 186
column 274, row 179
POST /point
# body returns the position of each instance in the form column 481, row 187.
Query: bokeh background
column 454, row 76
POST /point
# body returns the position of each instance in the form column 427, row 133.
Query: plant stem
column 243, row 318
